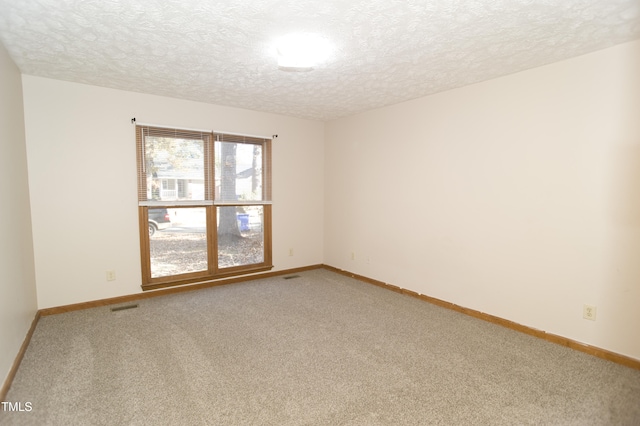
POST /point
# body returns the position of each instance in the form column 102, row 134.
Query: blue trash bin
column 243, row 221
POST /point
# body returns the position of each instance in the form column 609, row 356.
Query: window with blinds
column 204, row 202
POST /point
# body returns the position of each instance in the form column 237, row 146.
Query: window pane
column 174, row 168
column 238, row 171
column 240, row 236
column 177, row 241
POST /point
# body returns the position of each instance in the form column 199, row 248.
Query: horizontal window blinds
column 171, row 159
column 178, row 167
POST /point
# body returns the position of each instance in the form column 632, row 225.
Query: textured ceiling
column 386, row 51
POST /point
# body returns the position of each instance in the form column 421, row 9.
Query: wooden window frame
column 209, row 204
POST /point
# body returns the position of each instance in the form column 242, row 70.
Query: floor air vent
column 125, row 307
column 290, row 277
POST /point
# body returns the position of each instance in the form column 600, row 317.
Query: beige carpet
column 320, row 349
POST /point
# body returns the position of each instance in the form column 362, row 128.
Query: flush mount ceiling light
column 301, row 51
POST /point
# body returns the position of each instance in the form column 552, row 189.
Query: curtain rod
column 137, row 123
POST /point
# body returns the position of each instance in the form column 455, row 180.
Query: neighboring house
column 172, row 178
column 184, row 179
column 176, row 186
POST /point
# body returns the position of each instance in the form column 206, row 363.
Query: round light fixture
column 301, row 51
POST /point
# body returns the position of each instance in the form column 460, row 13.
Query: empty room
column 320, row 212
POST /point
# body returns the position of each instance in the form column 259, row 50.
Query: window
column 204, row 205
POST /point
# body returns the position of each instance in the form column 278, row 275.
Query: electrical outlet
column 589, row 312
column 353, row 255
column 111, row 275
column 290, row 252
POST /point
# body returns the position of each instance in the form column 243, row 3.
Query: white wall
column 17, row 283
column 82, row 176
column 519, row 196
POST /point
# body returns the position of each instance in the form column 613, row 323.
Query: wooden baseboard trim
column 16, row 362
column 172, row 290
column 560, row 340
